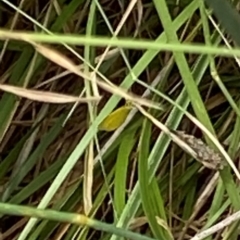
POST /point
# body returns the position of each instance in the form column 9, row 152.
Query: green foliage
column 131, row 182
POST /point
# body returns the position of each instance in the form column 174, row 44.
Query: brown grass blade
column 66, row 63
column 44, row 96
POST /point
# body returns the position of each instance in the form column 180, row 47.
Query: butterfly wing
column 115, row 119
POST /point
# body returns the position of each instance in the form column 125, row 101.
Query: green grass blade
column 149, row 202
column 187, row 77
column 68, row 217
column 9, row 102
column 227, row 16
column 38, row 182
column 120, row 179
column 28, row 165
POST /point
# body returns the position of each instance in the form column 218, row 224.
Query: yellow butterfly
column 115, row 119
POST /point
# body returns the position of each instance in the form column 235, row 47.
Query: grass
column 63, row 178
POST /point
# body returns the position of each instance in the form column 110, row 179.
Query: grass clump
column 71, row 73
